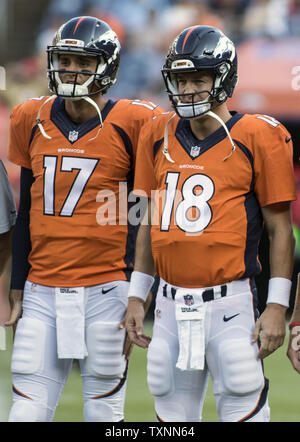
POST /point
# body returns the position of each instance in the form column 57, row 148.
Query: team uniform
column 78, row 252
column 205, row 232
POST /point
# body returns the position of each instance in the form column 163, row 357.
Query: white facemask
column 67, row 90
column 192, row 110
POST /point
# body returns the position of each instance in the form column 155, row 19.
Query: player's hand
column 128, row 344
column 271, row 326
column 15, row 301
column 134, row 322
column 293, row 351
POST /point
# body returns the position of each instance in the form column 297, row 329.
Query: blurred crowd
column 145, row 29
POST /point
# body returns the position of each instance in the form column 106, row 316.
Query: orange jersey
column 76, row 173
column 208, row 222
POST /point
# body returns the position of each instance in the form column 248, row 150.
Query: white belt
column 209, row 293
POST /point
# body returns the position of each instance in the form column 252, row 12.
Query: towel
column 190, row 316
column 70, row 323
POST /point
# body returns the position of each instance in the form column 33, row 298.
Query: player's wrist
column 134, row 299
column 140, row 285
column 279, row 291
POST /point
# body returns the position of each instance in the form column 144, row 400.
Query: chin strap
column 38, row 120
column 211, row 114
column 88, row 99
column 216, row 117
column 165, row 148
column 93, row 103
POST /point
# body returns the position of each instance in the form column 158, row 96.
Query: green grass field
column 284, row 397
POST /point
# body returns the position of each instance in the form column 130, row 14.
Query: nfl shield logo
column 73, row 135
column 195, row 150
column 188, row 299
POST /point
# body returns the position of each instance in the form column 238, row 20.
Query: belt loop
column 223, row 290
column 165, row 290
column 208, row 295
column 173, row 292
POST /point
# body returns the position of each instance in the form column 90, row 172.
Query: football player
column 218, row 176
column 71, row 270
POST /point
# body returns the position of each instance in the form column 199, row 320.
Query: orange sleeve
column 273, row 163
column 145, row 180
column 146, row 112
column 19, row 137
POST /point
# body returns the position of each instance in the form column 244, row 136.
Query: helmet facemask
column 96, row 81
column 84, row 36
column 196, row 49
column 216, row 96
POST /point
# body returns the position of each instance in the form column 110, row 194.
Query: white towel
column 190, row 315
column 70, row 323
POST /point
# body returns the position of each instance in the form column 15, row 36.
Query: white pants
column 39, row 376
column 239, row 385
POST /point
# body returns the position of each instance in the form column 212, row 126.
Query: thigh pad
column 160, row 368
column 240, row 370
column 29, row 346
column 105, row 342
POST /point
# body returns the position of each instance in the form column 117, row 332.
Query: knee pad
column 29, row 346
column 30, row 400
column 26, row 410
column 105, row 342
column 160, row 375
column 240, row 371
column 107, row 405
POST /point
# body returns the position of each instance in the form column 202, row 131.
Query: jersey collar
column 67, row 127
column 194, row 147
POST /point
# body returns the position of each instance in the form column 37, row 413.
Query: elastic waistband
column 210, row 293
column 100, row 288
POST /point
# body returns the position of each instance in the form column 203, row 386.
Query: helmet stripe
column 187, row 36
column 78, row 23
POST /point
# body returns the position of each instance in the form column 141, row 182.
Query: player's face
column 198, row 83
column 76, row 63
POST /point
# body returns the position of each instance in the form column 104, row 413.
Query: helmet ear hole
column 222, row 97
column 223, row 68
column 105, row 81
